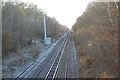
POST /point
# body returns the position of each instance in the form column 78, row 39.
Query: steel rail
column 52, row 71
column 34, row 63
column 46, row 63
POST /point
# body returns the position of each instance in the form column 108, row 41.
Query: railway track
column 57, row 63
column 68, row 65
column 53, row 70
column 63, row 65
column 34, row 64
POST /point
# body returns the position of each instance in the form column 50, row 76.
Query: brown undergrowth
column 95, row 35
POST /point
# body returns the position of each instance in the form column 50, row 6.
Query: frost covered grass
column 14, row 67
column 17, row 64
column 14, row 64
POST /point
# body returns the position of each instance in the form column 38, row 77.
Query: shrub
column 89, row 60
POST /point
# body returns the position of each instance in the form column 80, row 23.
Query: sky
column 65, row 11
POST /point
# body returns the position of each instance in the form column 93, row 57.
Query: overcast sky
column 65, row 11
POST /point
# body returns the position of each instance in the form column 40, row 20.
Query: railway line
column 57, row 63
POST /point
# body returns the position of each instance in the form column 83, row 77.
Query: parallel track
column 33, row 64
column 51, row 65
column 52, row 71
column 57, row 58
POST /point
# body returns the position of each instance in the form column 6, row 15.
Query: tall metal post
column 45, row 35
column 47, row 40
column 1, row 5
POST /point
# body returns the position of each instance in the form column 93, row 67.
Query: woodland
column 96, row 40
column 22, row 22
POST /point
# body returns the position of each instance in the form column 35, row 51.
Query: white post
column 47, row 40
column 1, row 5
column 45, row 35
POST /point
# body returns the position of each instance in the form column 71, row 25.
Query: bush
column 89, row 60
column 18, row 50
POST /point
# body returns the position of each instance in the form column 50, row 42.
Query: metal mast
column 45, row 35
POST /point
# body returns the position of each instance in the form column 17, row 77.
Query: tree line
column 96, row 35
column 21, row 22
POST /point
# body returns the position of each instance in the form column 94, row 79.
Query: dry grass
column 19, row 62
column 97, row 62
column 105, row 75
column 87, row 60
column 34, row 52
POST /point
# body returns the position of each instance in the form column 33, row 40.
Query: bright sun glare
column 65, row 11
